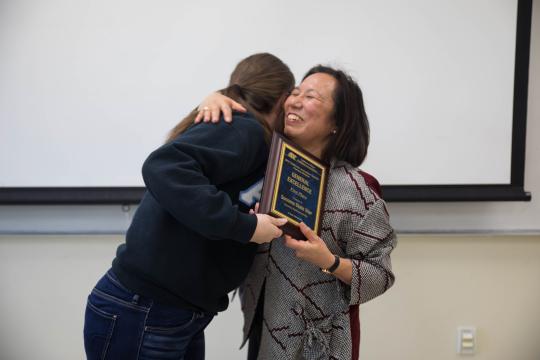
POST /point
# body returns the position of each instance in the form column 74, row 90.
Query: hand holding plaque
column 294, row 186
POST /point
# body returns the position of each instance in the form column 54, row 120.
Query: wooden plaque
column 294, row 186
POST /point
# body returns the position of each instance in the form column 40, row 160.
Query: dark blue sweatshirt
column 188, row 242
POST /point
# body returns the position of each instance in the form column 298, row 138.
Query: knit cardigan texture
column 306, row 311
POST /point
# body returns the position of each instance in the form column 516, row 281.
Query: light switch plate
column 466, row 340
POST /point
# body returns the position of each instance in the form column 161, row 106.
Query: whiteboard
column 88, row 89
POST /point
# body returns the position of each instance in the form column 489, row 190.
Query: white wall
column 490, row 282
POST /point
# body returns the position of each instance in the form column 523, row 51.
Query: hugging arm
column 216, row 104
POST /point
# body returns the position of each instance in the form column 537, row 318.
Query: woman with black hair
column 300, row 299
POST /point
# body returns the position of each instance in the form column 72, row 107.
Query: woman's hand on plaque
column 312, row 250
column 267, row 228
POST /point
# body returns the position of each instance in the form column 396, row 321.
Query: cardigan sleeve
column 369, row 246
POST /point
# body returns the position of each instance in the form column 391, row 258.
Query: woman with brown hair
column 192, row 239
column 300, row 299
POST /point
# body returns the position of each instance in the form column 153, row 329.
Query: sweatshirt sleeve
column 369, row 248
column 182, row 176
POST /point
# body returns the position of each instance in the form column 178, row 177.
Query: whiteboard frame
column 392, row 193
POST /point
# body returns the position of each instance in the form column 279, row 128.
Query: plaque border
column 269, row 185
column 283, row 147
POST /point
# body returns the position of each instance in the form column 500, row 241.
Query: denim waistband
column 109, row 285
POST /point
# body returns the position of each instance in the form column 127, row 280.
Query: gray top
column 306, row 311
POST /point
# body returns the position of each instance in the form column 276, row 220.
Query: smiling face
column 308, row 113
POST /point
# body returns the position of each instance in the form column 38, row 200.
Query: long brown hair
column 260, row 82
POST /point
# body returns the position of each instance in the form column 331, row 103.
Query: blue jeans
column 120, row 324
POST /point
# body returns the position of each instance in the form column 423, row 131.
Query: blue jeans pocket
column 98, row 330
column 114, row 321
column 180, row 324
column 175, row 333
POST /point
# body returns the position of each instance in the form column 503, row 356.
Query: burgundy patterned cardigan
column 309, row 314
